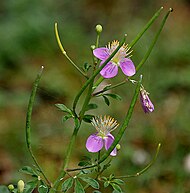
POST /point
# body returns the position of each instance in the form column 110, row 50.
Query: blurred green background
column 27, row 41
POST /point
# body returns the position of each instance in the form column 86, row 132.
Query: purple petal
column 108, row 141
column 94, row 143
column 101, row 53
column 146, row 103
column 109, row 71
column 127, row 67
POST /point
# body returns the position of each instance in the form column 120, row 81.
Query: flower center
column 121, row 54
column 104, row 125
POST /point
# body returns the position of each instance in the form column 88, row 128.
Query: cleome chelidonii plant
column 88, row 175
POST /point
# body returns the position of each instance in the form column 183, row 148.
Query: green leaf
column 116, row 187
column 66, row 117
column 77, row 122
column 106, row 184
column 78, row 187
column 42, row 188
column 85, row 171
column 29, row 187
column 88, row 118
column 111, row 176
column 28, row 170
column 118, row 181
column 96, row 191
column 115, row 191
column 63, row 108
column 114, row 96
column 4, row 189
column 106, row 166
column 92, row 182
column 106, row 100
column 91, row 106
column 86, row 67
column 104, row 178
column 84, row 161
column 67, row 184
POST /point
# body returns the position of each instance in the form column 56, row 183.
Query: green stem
column 140, row 34
column 28, row 122
column 98, row 165
column 86, row 102
column 67, row 158
column 95, row 60
column 97, row 83
column 73, row 138
column 109, row 88
column 94, row 75
column 154, row 40
column 146, row 168
column 64, row 52
column 121, row 131
column 97, row 40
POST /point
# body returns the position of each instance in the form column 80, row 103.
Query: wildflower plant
column 101, row 143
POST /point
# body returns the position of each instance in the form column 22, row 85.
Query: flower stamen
column 104, row 125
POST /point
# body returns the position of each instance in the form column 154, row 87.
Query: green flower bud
column 92, row 47
column 20, row 186
column 118, row 147
column 98, row 28
column 10, row 187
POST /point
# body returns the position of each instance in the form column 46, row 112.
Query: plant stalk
column 28, row 123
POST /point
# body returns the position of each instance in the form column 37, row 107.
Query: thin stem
column 95, row 60
column 67, row 158
column 146, row 168
column 140, row 34
column 98, row 82
column 154, row 40
column 121, row 131
column 95, row 74
column 109, row 88
column 28, row 122
column 73, row 137
column 98, row 165
column 87, row 99
column 64, row 52
column 97, row 40
column 39, row 167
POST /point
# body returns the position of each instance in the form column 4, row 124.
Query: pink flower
column 120, row 59
column 146, row 103
column 104, row 125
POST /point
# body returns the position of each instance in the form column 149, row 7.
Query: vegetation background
column 27, row 41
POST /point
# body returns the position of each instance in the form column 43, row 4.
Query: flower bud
column 92, row 47
column 98, row 28
column 10, row 187
column 146, row 103
column 20, row 186
column 118, row 146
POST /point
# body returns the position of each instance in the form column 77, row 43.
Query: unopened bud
column 10, row 187
column 92, row 47
column 20, row 186
column 118, row 147
column 98, row 28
